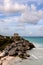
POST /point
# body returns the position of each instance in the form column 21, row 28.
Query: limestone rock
column 20, row 45
column 9, row 60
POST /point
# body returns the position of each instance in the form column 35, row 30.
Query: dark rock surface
column 18, row 47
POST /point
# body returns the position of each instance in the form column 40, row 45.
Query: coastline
column 37, row 41
column 38, row 52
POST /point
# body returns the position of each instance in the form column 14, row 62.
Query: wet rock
column 31, row 46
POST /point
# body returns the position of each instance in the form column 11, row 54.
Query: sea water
column 38, row 41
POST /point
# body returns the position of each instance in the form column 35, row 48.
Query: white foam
column 37, row 53
column 34, row 56
column 37, row 45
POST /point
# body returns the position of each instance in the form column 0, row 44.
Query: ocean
column 37, row 41
column 36, row 54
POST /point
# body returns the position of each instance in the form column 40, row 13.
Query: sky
column 21, row 16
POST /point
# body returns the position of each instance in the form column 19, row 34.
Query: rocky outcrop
column 9, row 60
column 18, row 48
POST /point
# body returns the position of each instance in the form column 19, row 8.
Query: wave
column 36, row 53
column 38, row 45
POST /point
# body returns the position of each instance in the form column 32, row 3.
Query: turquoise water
column 35, row 40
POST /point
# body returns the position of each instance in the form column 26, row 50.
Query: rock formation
column 18, row 47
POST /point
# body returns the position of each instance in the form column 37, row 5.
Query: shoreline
column 21, row 52
column 32, row 60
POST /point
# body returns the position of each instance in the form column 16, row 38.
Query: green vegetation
column 4, row 41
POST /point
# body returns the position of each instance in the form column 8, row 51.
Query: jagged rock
column 18, row 47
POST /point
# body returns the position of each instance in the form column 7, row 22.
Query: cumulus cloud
column 9, row 7
column 1, row 8
column 29, row 14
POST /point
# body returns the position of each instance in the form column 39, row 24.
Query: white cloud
column 29, row 14
column 1, row 8
column 33, row 7
column 9, row 7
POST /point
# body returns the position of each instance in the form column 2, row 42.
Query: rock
column 0, row 62
column 18, row 47
column 11, row 52
column 31, row 46
column 2, row 54
column 23, row 56
column 9, row 60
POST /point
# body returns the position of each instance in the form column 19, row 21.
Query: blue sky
column 21, row 16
